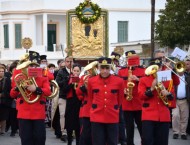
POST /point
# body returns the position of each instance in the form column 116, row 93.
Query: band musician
column 31, row 115
column 106, row 93
column 155, row 111
column 84, row 115
column 132, row 104
column 160, row 54
column 115, row 67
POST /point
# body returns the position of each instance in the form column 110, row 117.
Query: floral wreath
column 82, row 17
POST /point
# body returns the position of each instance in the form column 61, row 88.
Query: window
column 122, row 31
column 6, row 36
column 18, row 35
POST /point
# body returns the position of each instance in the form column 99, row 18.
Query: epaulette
column 123, row 67
column 142, row 66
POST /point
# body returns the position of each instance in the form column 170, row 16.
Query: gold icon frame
column 89, row 46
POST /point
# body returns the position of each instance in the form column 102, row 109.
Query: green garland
column 83, row 18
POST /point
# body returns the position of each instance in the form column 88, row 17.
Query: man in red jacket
column 132, row 104
column 106, row 93
column 155, row 113
column 31, row 115
column 81, row 91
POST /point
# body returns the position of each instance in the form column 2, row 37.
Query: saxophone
column 130, row 86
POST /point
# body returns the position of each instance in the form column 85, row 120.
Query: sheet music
column 164, row 75
column 179, row 53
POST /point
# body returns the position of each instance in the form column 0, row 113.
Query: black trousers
column 13, row 120
column 104, row 133
column 122, row 135
column 32, row 132
column 85, row 131
column 131, row 117
column 188, row 126
column 155, row 133
column 56, row 123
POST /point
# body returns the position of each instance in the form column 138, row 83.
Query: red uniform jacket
column 47, row 73
column 136, row 103
column 106, row 96
column 35, row 110
column 176, row 82
column 153, row 108
column 86, row 105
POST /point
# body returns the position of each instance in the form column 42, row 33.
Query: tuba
column 152, row 70
column 130, row 86
column 22, row 81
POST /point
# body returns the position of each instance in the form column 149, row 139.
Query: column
column 45, row 31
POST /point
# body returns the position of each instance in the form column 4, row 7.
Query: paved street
column 51, row 140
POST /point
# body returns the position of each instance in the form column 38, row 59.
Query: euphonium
column 54, row 88
column 53, row 84
column 152, row 70
column 130, row 86
column 90, row 70
column 22, row 81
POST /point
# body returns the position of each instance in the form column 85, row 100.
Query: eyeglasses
column 104, row 67
column 44, row 61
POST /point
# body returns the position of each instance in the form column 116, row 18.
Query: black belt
column 181, row 98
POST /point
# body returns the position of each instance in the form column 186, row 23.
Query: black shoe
column 64, row 138
column 184, row 137
column 58, row 136
column 123, row 143
column 175, row 136
column 12, row 134
column 6, row 129
column 2, row 133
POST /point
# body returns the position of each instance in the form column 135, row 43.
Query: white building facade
column 44, row 21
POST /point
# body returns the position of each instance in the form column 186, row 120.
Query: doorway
column 51, row 36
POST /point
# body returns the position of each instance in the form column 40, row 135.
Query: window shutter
column 6, row 36
column 18, row 36
column 122, row 31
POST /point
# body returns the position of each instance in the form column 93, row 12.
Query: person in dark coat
column 55, row 107
column 12, row 121
column 62, row 80
column 5, row 99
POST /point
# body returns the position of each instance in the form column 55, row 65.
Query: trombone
column 179, row 66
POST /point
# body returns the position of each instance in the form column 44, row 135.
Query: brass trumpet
column 152, row 70
column 159, row 87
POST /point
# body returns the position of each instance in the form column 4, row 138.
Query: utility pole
column 152, row 26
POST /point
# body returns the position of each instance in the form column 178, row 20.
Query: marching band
column 92, row 101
